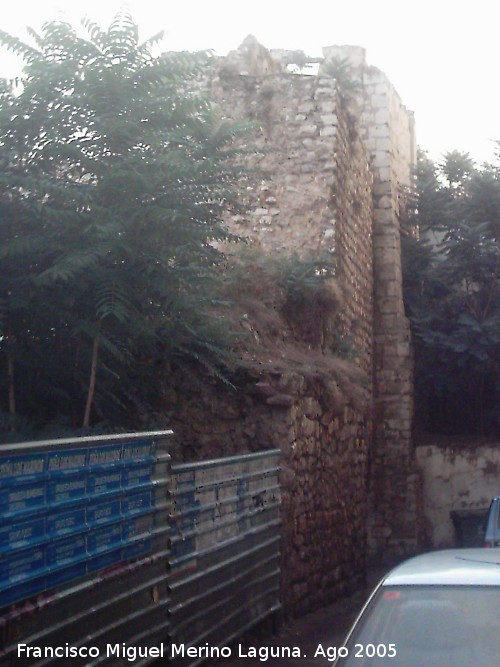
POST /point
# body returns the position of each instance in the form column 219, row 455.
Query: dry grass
column 283, row 333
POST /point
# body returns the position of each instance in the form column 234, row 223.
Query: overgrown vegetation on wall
column 451, row 279
column 286, row 311
column 113, row 185
column 302, row 291
column 297, row 392
column 283, row 314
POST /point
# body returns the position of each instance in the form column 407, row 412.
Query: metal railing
column 224, row 558
column 105, row 545
column 83, row 544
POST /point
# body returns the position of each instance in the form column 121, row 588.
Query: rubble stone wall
column 330, row 182
column 315, row 194
column 324, row 155
column 324, row 445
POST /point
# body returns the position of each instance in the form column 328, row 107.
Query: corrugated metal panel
column 224, row 560
column 84, row 545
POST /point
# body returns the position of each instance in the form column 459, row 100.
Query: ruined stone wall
column 330, row 177
column 324, row 445
column 389, row 137
column 325, row 153
column 315, row 191
column 313, row 197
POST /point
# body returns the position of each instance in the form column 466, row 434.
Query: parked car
column 440, row 609
column 492, row 531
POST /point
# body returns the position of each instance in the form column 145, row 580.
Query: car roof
column 459, row 567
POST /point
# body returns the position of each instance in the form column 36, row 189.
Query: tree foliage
column 114, row 176
column 451, row 277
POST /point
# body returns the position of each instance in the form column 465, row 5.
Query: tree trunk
column 91, row 391
column 12, row 386
column 481, row 391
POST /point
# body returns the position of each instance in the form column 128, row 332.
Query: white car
column 440, row 609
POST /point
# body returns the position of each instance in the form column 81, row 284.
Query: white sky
column 441, row 55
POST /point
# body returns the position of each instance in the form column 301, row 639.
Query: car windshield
column 428, row 626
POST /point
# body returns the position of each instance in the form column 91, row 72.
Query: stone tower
column 335, row 170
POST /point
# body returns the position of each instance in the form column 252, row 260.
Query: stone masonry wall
column 389, row 138
column 329, row 182
column 315, row 194
column 322, row 158
column 324, row 447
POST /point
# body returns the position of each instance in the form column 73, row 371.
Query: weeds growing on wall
column 349, row 87
column 287, row 311
column 302, row 292
column 312, row 298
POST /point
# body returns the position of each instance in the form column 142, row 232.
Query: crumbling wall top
column 252, row 59
column 355, row 55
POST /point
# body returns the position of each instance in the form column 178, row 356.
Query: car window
column 428, row 626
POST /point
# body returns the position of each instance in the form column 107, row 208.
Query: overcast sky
column 441, row 55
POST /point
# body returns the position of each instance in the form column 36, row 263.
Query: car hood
column 461, row 567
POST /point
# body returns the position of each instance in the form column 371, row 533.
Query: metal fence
column 224, row 557
column 105, row 546
column 83, row 545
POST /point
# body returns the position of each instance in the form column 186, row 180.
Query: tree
column 114, row 179
column 451, row 276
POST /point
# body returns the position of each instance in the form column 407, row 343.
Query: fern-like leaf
column 112, row 301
